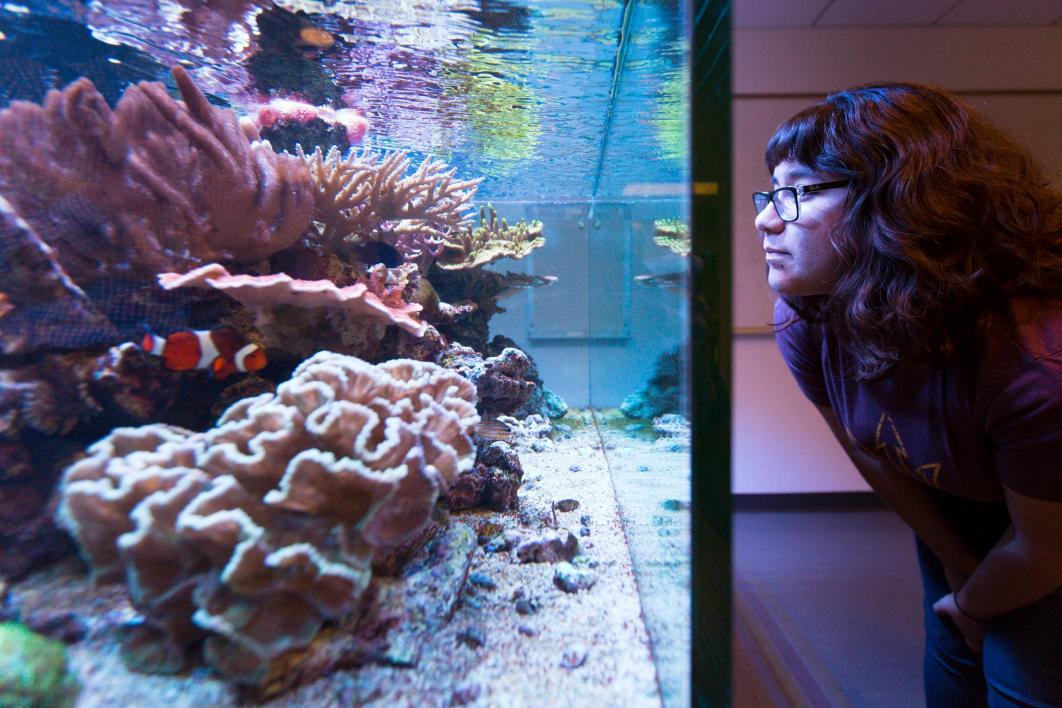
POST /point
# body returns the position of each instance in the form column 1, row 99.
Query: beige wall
column 1014, row 74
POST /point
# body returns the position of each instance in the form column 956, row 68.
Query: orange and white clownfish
column 222, row 350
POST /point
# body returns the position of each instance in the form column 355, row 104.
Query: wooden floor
column 827, row 610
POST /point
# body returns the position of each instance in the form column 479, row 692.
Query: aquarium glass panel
column 344, row 351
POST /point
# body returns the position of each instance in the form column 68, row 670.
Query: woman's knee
column 1013, row 681
column 952, row 672
column 1022, row 650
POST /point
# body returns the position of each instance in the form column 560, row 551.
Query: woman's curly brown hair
column 946, row 217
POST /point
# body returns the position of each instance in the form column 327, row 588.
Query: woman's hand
column 955, row 578
column 972, row 630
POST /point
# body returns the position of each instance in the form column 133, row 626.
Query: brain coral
column 255, row 532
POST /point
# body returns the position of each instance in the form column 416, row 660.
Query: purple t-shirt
column 990, row 419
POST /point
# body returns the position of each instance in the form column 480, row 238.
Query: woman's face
column 800, row 258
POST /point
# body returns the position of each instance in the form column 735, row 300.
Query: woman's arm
column 914, row 502
column 1025, row 566
column 1022, row 569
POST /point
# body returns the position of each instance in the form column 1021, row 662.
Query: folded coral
column 150, row 186
column 255, row 533
column 299, row 317
column 259, row 293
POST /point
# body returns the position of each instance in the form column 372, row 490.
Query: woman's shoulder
column 1019, row 334
column 1017, row 402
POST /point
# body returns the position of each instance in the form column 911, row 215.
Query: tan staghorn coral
column 357, row 193
column 491, row 240
column 150, row 186
column 255, row 533
column 363, row 197
column 341, row 187
column 672, row 234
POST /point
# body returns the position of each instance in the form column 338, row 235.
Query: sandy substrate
column 652, row 486
column 580, row 649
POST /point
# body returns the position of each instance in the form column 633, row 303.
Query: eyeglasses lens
column 785, row 201
column 760, row 200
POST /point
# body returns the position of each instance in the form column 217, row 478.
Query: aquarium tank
column 345, row 352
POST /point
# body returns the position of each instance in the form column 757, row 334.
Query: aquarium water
column 343, row 352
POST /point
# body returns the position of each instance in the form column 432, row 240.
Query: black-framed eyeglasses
column 787, row 199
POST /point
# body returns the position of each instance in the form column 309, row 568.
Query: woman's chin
column 795, row 287
column 783, row 283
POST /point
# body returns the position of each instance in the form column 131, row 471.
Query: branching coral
column 672, row 234
column 256, row 532
column 363, row 197
column 493, row 239
column 153, row 185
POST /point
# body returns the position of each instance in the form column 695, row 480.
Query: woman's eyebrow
column 795, row 176
column 799, row 175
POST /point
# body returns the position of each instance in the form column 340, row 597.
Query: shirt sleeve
column 801, row 346
column 1024, row 422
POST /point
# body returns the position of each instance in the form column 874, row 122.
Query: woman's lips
column 774, row 256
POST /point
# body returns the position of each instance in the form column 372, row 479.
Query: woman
column 918, row 255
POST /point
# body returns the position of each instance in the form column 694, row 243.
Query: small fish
column 493, row 430
column 311, row 36
column 426, row 297
column 663, row 280
column 222, row 350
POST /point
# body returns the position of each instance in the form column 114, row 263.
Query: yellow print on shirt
column 888, row 446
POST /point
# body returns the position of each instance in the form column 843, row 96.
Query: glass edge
column 710, row 352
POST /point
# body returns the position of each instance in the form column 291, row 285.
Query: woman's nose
column 767, row 220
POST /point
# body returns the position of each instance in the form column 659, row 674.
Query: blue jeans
column 1021, row 660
